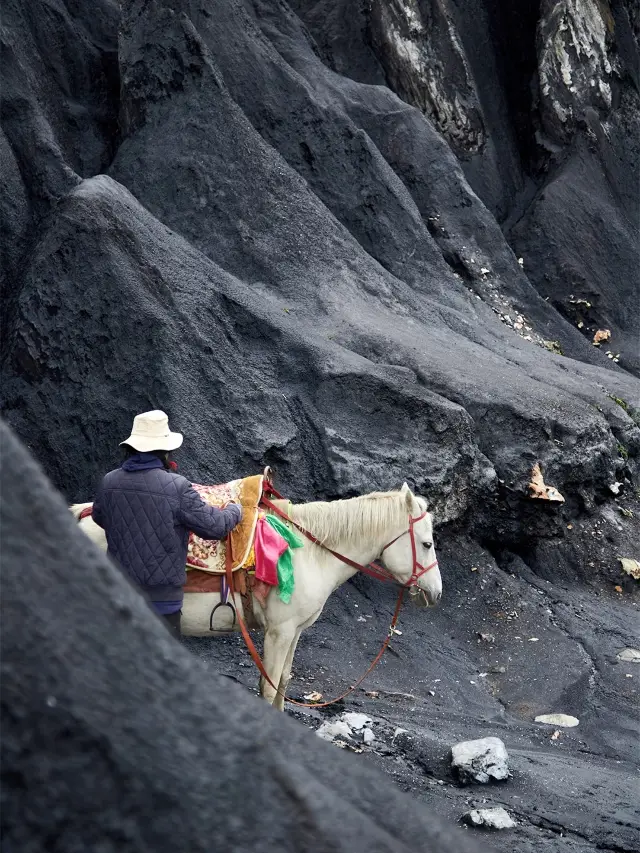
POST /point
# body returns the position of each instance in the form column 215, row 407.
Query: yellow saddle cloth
column 210, row 556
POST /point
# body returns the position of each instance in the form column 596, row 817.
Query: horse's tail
column 77, row 509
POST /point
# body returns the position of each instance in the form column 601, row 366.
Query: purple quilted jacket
column 147, row 516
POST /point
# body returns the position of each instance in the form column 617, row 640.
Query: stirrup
column 223, row 604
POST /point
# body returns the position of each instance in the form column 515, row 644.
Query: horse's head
column 411, row 557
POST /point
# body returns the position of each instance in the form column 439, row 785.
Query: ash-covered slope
column 385, row 321
column 297, row 228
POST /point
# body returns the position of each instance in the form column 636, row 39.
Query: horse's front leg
column 277, row 642
column 285, row 678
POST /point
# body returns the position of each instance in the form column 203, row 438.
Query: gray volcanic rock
column 297, row 228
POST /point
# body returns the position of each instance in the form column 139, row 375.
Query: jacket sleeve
column 97, row 512
column 206, row 521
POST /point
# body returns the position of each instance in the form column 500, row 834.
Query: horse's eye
column 427, row 545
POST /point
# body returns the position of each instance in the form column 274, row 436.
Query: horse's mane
column 349, row 521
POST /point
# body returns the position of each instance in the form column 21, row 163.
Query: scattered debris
column 629, row 655
column 495, row 818
column 564, row 720
column 600, row 336
column 553, row 346
column 556, row 734
column 615, row 488
column 333, row 729
column 313, row 697
column 534, row 640
column 538, row 490
column 618, row 588
column 346, row 729
column 521, row 261
column 398, row 732
column 486, row 638
column 480, row 760
column 584, row 302
column 631, row 567
column 389, row 694
column 498, row 670
column 355, row 720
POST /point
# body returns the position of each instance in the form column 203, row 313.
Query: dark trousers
column 172, row 621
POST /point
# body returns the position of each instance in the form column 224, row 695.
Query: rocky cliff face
column 361, row 242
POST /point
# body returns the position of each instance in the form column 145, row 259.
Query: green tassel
column 286, row 581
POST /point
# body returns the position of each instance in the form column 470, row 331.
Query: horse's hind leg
column 278, row 702
column 277, row 642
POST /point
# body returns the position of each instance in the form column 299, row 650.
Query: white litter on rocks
column 564, row 720
column 496, row 818
column 354, row 720
column 333, row 729
column 629, row 655
column 480, row 760
column 348, row 725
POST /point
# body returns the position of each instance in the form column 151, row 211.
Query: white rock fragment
column 495, row 818
column 521, row 261
column 368, row 736
column 564, row 720
column 629, row 655
column 333, row 729
column 355, row 721
column 480, row 760
column 615, row 488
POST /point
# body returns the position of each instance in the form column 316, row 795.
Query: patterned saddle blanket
column 211, row 556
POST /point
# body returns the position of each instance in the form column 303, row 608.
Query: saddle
column 211, row 556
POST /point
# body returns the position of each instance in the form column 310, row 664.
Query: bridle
column 417, row 569
column 373, row 569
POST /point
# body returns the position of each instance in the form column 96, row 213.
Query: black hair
column 163, row 455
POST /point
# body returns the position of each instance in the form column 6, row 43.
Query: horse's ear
column 408, row 496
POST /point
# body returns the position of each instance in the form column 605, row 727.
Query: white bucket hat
column 151, row 432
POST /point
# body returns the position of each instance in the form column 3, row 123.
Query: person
column 147, row 511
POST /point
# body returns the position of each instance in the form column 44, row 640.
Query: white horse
column 392, row 527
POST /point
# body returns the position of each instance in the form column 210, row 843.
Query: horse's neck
column 362, row 554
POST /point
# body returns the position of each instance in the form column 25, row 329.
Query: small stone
column 496, row 818
column 368, row 736
column 481, row 760
column 486, row 638
column 629, row 655
column 564, row 720
column 498, row 670
column 615, row 488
